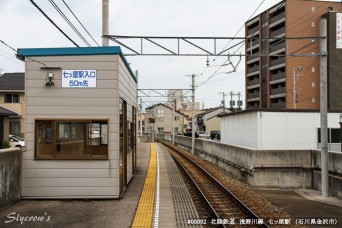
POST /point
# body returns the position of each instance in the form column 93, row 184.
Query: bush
column 5, row 145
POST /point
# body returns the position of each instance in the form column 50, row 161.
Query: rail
column 224, row 204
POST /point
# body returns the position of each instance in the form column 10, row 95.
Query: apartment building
column 282, row 71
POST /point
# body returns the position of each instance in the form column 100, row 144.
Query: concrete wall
column 268, row 168
column 10, row 171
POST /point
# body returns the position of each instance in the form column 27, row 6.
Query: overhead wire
column 11, row 60
column 20, row 53
column 279, row 41
column 69, row 22
column 52, row 22
column 223, row 49
column 242, row 44
column 80, row 22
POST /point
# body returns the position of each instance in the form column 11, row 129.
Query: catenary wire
column 69, row 22
column 20, row 53
column 80, row 22
column 52, row 22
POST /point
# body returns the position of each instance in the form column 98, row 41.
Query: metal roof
column 72, row 51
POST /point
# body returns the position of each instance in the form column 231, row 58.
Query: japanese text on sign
column 79, row 78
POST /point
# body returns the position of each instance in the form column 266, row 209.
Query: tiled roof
column 12, row 81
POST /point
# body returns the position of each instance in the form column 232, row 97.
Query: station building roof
column 74, row 51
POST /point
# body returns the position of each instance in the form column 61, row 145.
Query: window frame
column 12, row 95
column 54, row 125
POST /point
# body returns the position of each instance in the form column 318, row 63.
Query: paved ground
column 82, row 213
column 306, row 203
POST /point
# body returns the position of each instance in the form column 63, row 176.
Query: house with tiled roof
column 12, row 98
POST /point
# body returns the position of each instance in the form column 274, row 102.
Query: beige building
column 162, row 116
column 208, row 121
column 81, row 112
column 12, row 97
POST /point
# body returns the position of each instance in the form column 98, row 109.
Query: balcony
column 253, row 105
column 278, row 61
column 253, row 31
column 278, row 90
column 278, row 104
column 277, row 32
column 277, row 18
column 252, row 69
column 254, row 43
column 277, row 47
column 253, row 95
column 277, row 76
column 253, row 82
column 254, row 56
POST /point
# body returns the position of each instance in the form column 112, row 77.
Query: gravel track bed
column 246, row 193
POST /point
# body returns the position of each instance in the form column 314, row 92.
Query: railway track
column 224, row 205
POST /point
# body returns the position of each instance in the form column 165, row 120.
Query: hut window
column 76, row 139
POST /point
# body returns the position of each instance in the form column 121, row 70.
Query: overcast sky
column 23, row 26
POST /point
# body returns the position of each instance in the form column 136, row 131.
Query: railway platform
column 173, row 208
column 173, row 200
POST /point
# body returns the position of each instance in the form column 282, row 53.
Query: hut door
column 123, row 145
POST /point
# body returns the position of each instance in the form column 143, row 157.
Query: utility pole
column 239, row 103
column 140, row 107
column 173, row 120
column 300, row 69
column 324, row 106
column 193, row 113
column 232, row 102
column 223, row 100
column 105, row 22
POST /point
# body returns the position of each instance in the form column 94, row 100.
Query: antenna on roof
column 1, row 71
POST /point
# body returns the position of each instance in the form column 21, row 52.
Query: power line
column 80, row 22
column 69, row 22
column 10, row 59
column 223, row 50
column 20, row 53
column 47, row 17
column 233, row 46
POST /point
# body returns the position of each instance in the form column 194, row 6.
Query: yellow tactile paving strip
column 144, row 214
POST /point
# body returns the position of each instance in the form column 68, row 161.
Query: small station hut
column 81, row 108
